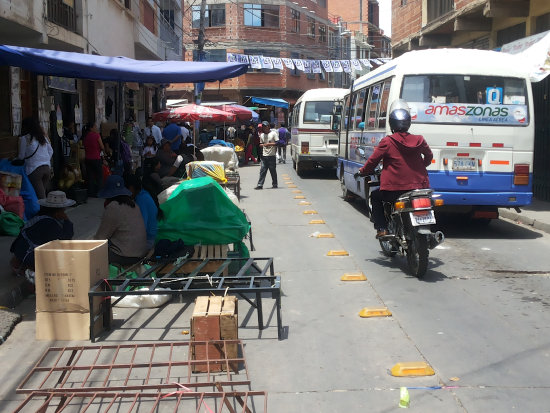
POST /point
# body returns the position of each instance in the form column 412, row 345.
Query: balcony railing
column 62, row 14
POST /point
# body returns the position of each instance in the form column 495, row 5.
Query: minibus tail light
column 305, row 147
column 521, row 174
column 399, row 205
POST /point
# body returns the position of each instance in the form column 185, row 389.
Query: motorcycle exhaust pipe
column 436, row 239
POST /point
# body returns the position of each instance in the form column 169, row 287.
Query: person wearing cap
column 269, row 140
column 49, row 224
column 172, row 133
column 121, row 224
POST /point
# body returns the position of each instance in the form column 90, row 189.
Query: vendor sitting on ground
column 170, row 162
column 121, row 224
column 49, row 224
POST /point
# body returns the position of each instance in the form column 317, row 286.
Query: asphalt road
column 480, row 317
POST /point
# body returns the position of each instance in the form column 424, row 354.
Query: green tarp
column 200, row 212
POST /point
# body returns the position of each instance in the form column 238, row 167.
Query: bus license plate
column 422, row 218
column 464, row 164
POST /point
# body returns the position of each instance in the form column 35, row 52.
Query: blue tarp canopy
column 119, row 68
column 280, row 103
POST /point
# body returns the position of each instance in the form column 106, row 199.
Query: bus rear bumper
column 500, row 199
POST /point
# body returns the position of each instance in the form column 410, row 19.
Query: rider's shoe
column 381, row 233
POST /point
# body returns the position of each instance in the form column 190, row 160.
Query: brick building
column 361, row 18
column 481, row 24
column 299, row 29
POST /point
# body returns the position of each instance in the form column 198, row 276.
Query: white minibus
column 314, row 141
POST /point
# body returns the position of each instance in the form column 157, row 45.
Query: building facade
column 299, row 30
column 481, row 24
column 141, row 29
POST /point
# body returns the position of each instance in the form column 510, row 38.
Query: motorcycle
column 409, row 220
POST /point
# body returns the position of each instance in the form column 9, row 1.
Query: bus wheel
column 299, row 168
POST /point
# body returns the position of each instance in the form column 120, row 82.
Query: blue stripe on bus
column 486, row 188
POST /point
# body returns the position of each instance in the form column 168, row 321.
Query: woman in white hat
column 49, row 224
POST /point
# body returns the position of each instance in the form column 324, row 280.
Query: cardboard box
column 214, row 318
column 66, row 326
column 65, row 271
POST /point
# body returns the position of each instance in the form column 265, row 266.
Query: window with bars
column 311, row 27
column 261, row 15
column 214, row 16
column 295, row 26
column 322, row 33
column 211, row 55
column 437, row 8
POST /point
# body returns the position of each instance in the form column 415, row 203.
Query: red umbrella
column 241, row 112
column 192, row 112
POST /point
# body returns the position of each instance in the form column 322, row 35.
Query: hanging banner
column 288, row 63
column 346, row 65
column 336, row 66
column 255, row 62
column 365, row 62
column 356, row 65
column 231, row 57
column 277, row 63
column 242, row 58
column 266, row 62
column 326, row 65
column 316, row 66
column 307, row 66
column 299, row 63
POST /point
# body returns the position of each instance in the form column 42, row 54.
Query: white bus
column 475, row 110
column 314, row 141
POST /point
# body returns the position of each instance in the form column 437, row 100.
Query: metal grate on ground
column 137, row 367
column 181, row 400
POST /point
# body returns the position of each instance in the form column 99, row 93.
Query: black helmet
column 400, row 116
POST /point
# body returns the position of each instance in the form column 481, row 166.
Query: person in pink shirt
column 93, row 147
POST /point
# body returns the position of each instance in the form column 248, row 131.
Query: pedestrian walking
column 268, row 143
column 284, row 136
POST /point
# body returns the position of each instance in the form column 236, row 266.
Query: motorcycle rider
column 404, row 157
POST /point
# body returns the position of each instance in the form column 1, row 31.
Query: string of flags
column 305, row 65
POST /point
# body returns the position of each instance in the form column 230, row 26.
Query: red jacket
column 405, row 158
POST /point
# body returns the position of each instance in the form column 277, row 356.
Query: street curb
column 8, row 320
column 522, row 219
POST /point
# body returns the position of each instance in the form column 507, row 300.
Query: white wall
column 109, row 28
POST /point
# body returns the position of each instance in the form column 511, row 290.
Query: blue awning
column 120, row 68
column 280, row 103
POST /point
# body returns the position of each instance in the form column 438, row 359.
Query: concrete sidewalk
column 536, row 215
column 86, row 217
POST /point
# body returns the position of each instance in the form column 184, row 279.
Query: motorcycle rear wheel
column 417, row 255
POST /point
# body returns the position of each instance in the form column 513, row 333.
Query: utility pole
column 201, row 40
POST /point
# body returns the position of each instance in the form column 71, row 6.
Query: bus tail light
column 479, row 163
column 445, row 161
column 305, row 147
column 521, row 174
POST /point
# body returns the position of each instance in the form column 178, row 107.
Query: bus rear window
column 318, row 112
column 441, row 98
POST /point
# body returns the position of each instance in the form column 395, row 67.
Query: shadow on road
column 319, row 173
column 399, row 263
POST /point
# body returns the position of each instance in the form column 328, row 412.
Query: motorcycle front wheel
column 417, row 255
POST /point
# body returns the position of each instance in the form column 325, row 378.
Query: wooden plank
column 201, row 306
column 229, row 328
column 215, row 308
